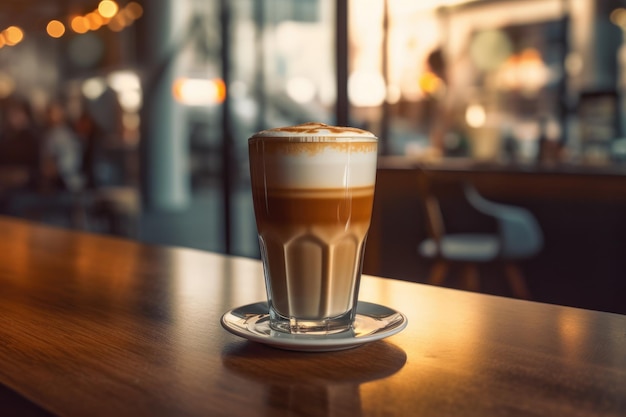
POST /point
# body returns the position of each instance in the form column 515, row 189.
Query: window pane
column 283, row 57
column 282, row 73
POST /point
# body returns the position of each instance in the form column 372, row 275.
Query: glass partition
column 490, row 81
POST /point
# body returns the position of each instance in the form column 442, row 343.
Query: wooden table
column 97, row 326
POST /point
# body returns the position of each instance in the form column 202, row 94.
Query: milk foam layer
column 315, row 155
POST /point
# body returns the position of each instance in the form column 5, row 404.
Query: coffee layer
column 341, row 207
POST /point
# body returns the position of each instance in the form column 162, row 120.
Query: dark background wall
column 582, row 264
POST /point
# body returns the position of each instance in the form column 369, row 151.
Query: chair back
column 520, row 233
column 432, row 209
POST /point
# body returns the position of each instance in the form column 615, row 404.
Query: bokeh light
column 118, row 23
column 366, row 89
column 93, row 88
column 490, row 48
column 130, row 100
column 107, row 13
column 394, row 94
column 55, row 28
column 13, row 35
column 94, row 20
column 134, row 10
column 198, row 92
column 618, row 17
column 80, row 24
column 475, row 115
column 430, row 83
column 108, row 8
column 301, row 89
column 123, row 81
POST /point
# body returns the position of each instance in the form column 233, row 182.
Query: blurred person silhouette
column 450, row 95
column 19, row 141
column 62, row 152
column 90, row 135
column 442, row 117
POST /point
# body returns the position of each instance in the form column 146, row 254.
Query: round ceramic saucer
column 373, row 322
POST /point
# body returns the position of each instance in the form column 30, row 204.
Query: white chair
column 518, row 237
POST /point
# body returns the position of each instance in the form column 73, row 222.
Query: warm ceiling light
column 366, row 89
column 2, row 40
column 618, row 17
column 80, row 24
column 94, row 20
column 475, row 115
column 117, row 24
column 107, row 8
column 121, row 81
column 429, row 82
column 93, row 88
column 55, row 29
column 199, row 92
column 134, row 10
column 13, row 35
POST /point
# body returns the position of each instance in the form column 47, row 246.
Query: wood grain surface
column 98, row 326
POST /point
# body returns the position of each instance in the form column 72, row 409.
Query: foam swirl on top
column 314, row 130
column 313, row 156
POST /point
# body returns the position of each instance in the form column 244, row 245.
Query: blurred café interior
column 131, row 118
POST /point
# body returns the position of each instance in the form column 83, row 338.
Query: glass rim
column 314, row 139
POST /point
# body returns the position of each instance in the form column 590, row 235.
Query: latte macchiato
column 313, row 188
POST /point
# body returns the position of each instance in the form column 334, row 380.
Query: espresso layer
column 309, row 207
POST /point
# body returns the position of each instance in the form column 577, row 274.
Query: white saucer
column 373, row 322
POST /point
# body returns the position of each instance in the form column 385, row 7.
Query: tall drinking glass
column 313, row 189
